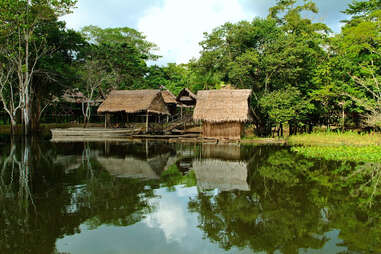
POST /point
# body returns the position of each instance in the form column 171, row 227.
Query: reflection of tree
column 173, row 176
column 291, row 206
column 293, row 200
column 91, row 196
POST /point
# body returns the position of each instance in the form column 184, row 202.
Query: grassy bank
column 336, row 138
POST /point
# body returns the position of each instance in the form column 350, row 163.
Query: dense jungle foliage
column 301, row 73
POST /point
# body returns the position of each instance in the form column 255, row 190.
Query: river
column 157, row 197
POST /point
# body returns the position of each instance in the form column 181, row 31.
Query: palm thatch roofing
column 134, row 101
column 77, row 97
column 225, row 105
column 168, row 97
column 186, row 95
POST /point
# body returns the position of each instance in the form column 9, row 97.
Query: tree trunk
column 13, row 126
column 343, row 118
column 36, row 112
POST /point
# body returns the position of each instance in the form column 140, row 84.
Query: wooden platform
column 102, row 134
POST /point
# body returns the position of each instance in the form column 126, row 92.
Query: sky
column 177, row 26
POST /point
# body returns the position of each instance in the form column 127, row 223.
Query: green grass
column 336, row 138
column 341, row 153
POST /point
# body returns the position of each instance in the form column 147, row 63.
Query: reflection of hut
column 222, row 151
column 170, row 101
column 223, row 112
column 222, row 175
column 131, row 167
column 186, row 98
column 134, row 102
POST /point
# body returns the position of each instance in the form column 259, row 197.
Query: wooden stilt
column 147, row 122
column 106, row 121
column 147, row 151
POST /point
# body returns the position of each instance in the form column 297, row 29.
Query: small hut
column 186, row 98
column 132, row 102
column 170, row 101
column 223, row 112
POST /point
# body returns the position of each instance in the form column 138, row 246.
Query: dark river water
column 157, row 197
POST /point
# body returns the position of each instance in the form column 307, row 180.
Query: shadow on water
column 257, row 198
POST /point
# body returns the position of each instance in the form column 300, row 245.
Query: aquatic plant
column 343, row 152
column 336, row 138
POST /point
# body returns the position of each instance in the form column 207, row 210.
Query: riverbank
column 316, row 138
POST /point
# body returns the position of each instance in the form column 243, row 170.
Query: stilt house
column 134, row 102
column 170, row 101
column 186, row 98
column 223, row 112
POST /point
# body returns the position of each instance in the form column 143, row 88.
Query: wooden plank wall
column 229, row 130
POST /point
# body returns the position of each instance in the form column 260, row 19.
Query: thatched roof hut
column 77, row 97
column 168, row 97
column 226, row 105
column 223, row 112
column 170, row 101
column 134, row 101
column 186, row 98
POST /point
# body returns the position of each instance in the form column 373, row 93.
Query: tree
column 123, row 52
column 94, row 76
column 56, row 72
column 347, row 83
column 21, row 47
column 267, row 55
column 8, row 94
column 285, row 105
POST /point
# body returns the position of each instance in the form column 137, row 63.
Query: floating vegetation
column 336, row 138
column 362, row 180
column 342, row 153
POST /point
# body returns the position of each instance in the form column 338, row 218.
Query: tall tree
column 22, row 48
column 267, row 54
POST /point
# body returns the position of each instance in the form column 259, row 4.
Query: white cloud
column 170, row 218
column 178, row 25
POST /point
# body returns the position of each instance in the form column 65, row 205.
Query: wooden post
column 181, row 114
column 147, row 151
column 107, row 120
column 147, row 121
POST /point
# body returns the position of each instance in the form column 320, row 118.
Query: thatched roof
column 186, row 94
column 223, row 105
column 77, row 97
column 168, row 97
column 134, row 101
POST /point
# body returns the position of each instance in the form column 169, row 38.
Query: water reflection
column 149, row 197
